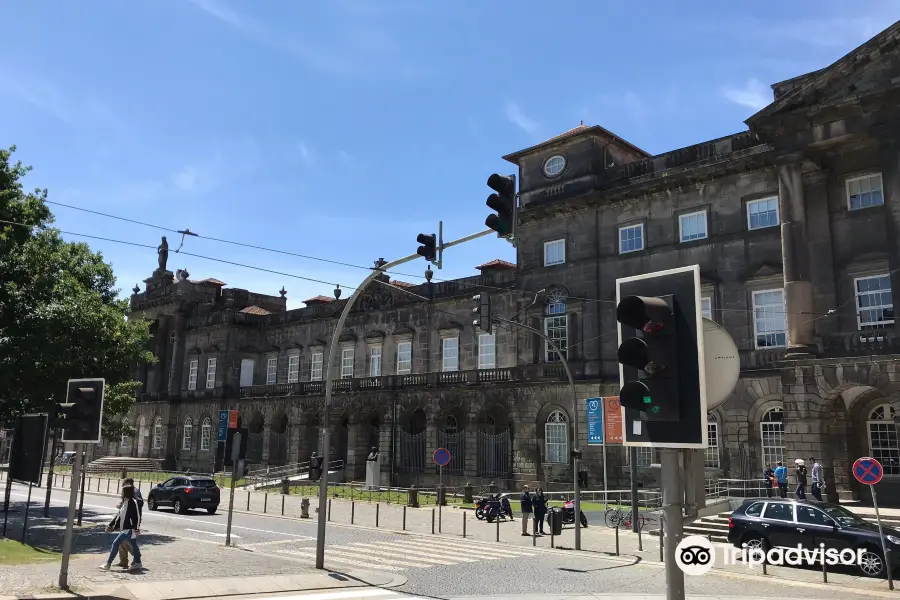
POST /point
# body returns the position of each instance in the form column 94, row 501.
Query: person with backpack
column 128, row 523
column 125, row 547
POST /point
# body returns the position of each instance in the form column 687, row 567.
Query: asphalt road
column 435, row 566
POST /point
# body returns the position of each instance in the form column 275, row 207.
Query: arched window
column 123, row 441
column 451, row 425
column 883, row 444
column 771, row 432
column 556, row 325
column 205, row 434
column 186, row 436
column 712, row 437
column 556, row 438
column 157, row 433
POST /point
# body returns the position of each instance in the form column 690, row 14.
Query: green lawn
column 15, row 553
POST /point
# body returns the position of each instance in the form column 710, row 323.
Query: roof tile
column 255, row 310
column 496, row 264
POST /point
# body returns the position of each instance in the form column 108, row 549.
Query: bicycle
column 613, row 517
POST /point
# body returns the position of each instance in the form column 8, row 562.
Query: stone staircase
column 114, row 464
column 716, row 526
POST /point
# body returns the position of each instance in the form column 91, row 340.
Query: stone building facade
column 795, row 224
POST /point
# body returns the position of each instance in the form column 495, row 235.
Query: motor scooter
column 568, row 514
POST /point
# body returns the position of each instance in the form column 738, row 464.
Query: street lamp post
column 565, row 364
column 329, row 382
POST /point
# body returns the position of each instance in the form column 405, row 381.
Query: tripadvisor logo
column 695, row 555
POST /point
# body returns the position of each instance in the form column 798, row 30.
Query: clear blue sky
column 344, row 128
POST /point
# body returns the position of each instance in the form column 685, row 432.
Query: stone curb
column 229, row 586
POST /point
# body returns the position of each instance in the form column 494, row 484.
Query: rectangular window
column 375, row 361
column 450, row 354
column 644, row 457
column 315, row 367
column 556, row 328
column 210, row 373
column 193, row 367
column 712, row 448
column 205, row 435
column 692, row 226
column 706, row 307
column 293, row 368
column 487, row 352
column 247, row 367
column 272, row 370
column 347, row 363
column 769, row 322
column 404, row 358
column 874, row 301
column 631, row 238
column 554, row 253
column 865, row 191
column 762, row 213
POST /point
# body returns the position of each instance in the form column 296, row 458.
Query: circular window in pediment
column 554, row 166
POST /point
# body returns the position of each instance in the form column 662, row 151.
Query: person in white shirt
column 818, row 479
column 128, row 523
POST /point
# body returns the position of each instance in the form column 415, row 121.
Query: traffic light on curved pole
column 504, row 203
column 653, row 357
column 428, row 249
column 483, row 310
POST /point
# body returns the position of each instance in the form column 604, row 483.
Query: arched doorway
column 411, row 442
column 343, row 441
column 278, row 439
column 452, row 436
column 255, row 438
column 494, row 443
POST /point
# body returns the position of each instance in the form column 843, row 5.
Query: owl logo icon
column 594, row 404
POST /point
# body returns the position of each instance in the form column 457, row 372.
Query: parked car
column 766, row 523
column 185, row 493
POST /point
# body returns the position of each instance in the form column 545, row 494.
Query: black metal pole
column 635, row 523
column 6, row 501
column 393, row 438
column 81, row 501
column 50, row 476
column 27, row 506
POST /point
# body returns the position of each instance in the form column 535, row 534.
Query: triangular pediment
column 763, row 271
column 870, row 68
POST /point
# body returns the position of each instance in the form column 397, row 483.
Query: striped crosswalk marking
column 410, row 553
column 349, row 594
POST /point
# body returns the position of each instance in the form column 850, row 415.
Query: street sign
column 222, row 432
column 612, row 416
column 595, row 421
column 232, row 419
column 867, row 470
column 442, row 457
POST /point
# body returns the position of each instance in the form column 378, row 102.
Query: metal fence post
column 352, row 511
column 617, row 539
column 329, row 509
column 404, row 517
column 248, row 501
column 265, row 502
column 464, row 523
column 377, row 507
column 432, row 520
column 282, row 505
column 498, row 529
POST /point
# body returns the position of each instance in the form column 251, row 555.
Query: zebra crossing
column 360, row 593
column 400, row 554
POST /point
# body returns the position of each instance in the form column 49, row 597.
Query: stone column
column 357, row 448
column 795, row 257
column 889, row 139
column 821, row 246
column 177, row 358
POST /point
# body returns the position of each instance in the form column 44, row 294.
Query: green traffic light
column 647, row 400
column 654, row 410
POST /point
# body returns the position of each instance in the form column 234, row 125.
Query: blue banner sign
column 223, row 425
column 595, row 421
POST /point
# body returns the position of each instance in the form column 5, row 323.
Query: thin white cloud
column 306, row 154
column 519, row 119
column 752, row 94
column 345, row 157
column 228, row 161
column 844, row 33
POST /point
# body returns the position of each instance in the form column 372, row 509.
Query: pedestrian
column 128, row 524
column 769, row 481
column 125, row 547
column 527, row 508
column 540, row 511
column 818, row 479
column 801, row 478
column 781, row 476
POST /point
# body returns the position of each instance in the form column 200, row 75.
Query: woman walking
column 540, row 511
column 128, row 523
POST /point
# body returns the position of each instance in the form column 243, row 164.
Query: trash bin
column 555, row 518
column 413, row 497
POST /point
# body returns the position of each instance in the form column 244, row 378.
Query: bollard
column 662, row 533
column 377, row 506
column 304, row 508
column 329, row 509
column 108, row 482
column 464, row 523
column 265, row 502
column 640, row 540
column 617, row 539
column 404, row 518
column 282, row 505
column 764, row 567
column 534, row 535
column 248, row 501
column 824, row 570
column 432, row 521
column 118, row 485
column 552, row 538
column 352, row 511
column 498, row 529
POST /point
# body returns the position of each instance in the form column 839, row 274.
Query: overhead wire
column 480, row 285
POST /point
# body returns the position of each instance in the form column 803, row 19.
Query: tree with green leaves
column 60, row 315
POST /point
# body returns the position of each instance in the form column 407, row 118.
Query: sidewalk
column 456, row 522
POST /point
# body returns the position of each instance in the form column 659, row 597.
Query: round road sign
column 867, row 470
column 442, row 457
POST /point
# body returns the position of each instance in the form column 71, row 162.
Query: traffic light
column 428, row 249
column 83, row 411
column 661, row 363
column 504, row 203
column 653, row 356
column 483, row 310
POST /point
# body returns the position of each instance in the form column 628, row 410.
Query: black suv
column 184, row 493
column 765, row 523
